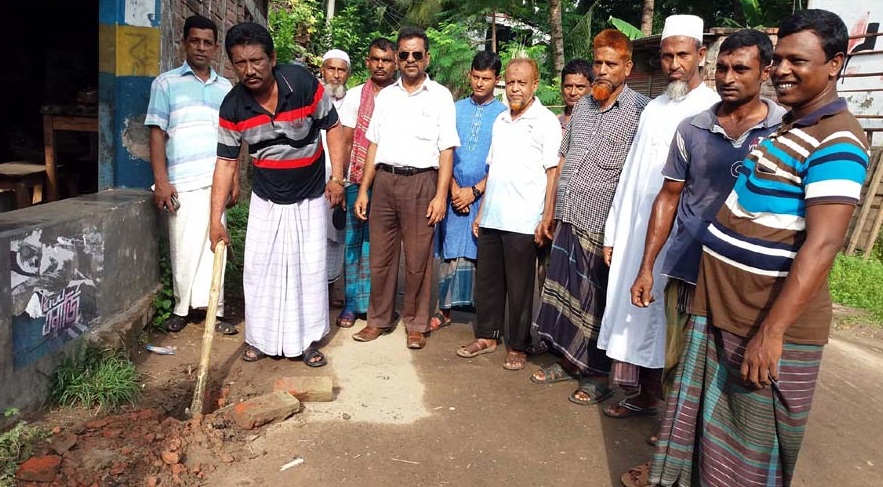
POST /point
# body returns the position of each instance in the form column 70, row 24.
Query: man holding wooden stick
column 279, row 112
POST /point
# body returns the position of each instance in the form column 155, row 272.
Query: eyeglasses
column 403, row 55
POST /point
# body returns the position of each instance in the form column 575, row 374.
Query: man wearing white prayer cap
column 634, row 337
column 335, row 73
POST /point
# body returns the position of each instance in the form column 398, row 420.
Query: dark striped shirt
column 594, row 148
column 286, row 147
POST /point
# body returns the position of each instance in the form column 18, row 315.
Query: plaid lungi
column 456, row 278
column 574, row 297
column 283, row 277
column 357, row 274
column 725, row 431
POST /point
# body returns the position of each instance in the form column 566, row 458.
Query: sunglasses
column 403, row 55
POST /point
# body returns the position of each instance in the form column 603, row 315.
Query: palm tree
column 557, row 34
column 647, row 17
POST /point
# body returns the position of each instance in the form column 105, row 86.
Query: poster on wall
column 53, row 291
column 862, row 81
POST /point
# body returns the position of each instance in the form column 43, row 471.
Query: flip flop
column 475, row 348
column 637, row 476
column 631, row 410
column 312, row 353
column 551, row 374
column 252, row 354
column 597, row 393
column 438, row 320
column 346, row 319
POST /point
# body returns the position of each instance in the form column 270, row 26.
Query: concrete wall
column 73, row 268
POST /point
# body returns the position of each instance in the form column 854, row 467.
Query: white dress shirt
column 521, row 152
column 411, row 129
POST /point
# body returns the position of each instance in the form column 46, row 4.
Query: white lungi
column 191, row 254
column 283, row 279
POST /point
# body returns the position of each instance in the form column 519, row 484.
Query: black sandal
column 175, row 323
column 225, row 328
column 252, row 354
column 310, row 354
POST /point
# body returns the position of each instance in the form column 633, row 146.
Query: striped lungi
column 357, row 273
column 456, row 278
column 574, row 296
column 725, row 431
column 283, row 278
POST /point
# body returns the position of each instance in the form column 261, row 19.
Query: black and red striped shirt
column 286, row 147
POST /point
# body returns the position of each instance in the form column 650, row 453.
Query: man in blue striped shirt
column 183, row 120
column 761, row 312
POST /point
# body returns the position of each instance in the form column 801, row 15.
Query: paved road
column 430, row 418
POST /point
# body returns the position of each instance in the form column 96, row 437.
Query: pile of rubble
column 145, row 447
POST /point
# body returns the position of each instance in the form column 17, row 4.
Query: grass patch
column 93, row 377
column 16, row 445
column 237, row 221
column 857, row 282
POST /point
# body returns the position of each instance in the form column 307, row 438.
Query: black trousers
column 506, row 270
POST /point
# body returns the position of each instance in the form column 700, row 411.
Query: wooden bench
column 22, row 177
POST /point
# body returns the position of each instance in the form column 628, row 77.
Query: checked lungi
column 725, row 431
column 283, row 278
column 574, row 297
column 456, row 279
column 357, row 272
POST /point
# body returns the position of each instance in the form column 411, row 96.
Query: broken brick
column 39, row 469
column 265, row 409
column 307, row 389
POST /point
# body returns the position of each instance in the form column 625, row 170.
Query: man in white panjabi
column 335, row 73
column 635, row 337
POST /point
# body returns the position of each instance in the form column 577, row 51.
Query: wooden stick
column 209, row 333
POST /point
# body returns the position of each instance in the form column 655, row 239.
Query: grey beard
column 336, row 91
column 677, row 90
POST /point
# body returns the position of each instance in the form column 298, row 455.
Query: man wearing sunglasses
column 413, row 133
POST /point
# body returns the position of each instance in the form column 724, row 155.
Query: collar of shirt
column 282, row 84
column 212, row 77
column 626, row 97
column 472, row 100
column 707, row 120
column 531, row 112
column 425, row 86
column 813, row 118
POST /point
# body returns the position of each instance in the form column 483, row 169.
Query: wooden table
column 51, row 124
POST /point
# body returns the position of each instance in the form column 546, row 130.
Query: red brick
column 265, row 409
column 39, row 469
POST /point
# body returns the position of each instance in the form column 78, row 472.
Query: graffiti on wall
column 53, row 291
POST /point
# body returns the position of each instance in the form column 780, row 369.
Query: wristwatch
column 476, row 192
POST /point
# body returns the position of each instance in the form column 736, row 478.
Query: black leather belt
column 404, row 170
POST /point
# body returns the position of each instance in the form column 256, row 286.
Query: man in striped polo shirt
column 183, row 120
column 761, row 311
column 279, row 112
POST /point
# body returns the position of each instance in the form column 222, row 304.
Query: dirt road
column 430, row 418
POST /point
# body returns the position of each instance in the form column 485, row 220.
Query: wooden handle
column 209, row 333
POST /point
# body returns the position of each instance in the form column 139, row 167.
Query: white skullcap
column 338, row 54
column 683, row 25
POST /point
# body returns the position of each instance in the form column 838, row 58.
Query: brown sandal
column 637, row 476
column 477, row 347
column 515, row 360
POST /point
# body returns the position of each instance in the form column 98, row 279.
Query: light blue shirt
column 186, row 109
column 474, row 125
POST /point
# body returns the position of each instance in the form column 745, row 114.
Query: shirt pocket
column 425, row 126
column 611, row 150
